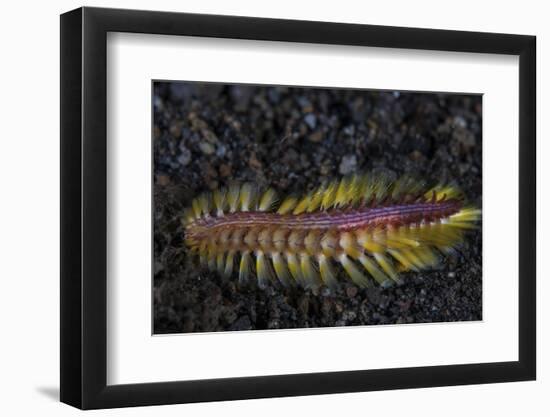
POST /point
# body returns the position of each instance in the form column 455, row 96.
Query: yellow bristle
column 228, row 270
column 415, row 188
column 329, row 195
column 196, row 208
column 281, row 269
column 309, row 273
column 368, row 243
column 191, row 243
column 424, row 235
column 246, row 196
column 220, row 201
column 432, row 193
column 188, row 216
column 294, row 267
column 244, row 267
column 450, row 192
column 342, row 192
column 439, row 234
column 381, row 188
column 220, row 262
column 328, row 276
column 354, row 273
column 316, row 199
column 268, row 200
column 368, row 189
column 467, row 214
column 233, row 197
column 404, row 261
column 401, row 187
column 443, row 192
column 354, row 193
column 373, row 247
column 426, row 256
column 302, row 206
column 462, row 225
column 386, row 265
column 263, row 270
column 413, row 258
column 400, row 238
column 287, row 205
column 204, row 203
column 373, row 270
column 348, row 243
column 362, row 187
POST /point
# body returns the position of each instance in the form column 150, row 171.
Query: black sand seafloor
column 206, row 135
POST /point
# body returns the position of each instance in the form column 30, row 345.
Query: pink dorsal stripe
column 336, row 219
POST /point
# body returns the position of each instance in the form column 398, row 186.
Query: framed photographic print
column 257, row 208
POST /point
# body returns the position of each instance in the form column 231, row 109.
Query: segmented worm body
column 369, row 226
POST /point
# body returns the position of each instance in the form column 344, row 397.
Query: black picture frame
column 84, row 207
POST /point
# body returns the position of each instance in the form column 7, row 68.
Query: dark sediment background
column 206, row 135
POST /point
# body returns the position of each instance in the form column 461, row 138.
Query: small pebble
column 311, row 120
column 348, row 164
column 175, row 129
column 185, row 157
column 254, row 162
column 351, row 291
column 207, row 148
column 316, row 136
column 225, row 170
column 220, row 151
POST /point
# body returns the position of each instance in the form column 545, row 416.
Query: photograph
column 259, row 206
column 292, row 207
